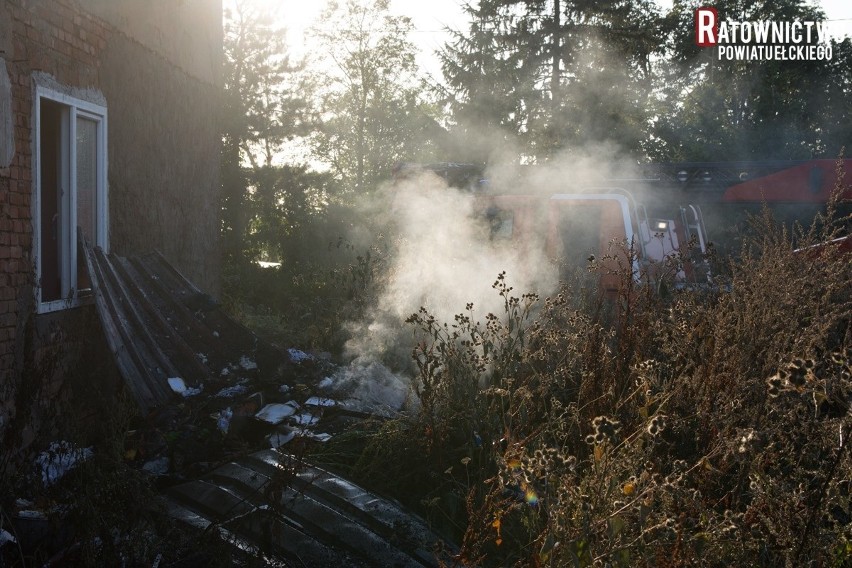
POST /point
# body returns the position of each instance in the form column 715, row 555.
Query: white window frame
column 67, row 225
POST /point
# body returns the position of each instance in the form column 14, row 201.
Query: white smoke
column 369, row 386
column 446, row 257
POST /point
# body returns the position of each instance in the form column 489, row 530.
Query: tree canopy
column 557, row 74
column 371, row 99
column 540, row 77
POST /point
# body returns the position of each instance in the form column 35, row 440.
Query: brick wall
column 162, row 142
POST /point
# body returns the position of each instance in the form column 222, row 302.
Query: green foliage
column 554, row 74
column 285, row 206
column 711, row 110
column 265, row 93
column 319, row 286
column 373, row 106
column 549, row 75
column 265, row 106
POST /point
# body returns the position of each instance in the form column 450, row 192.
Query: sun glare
column 430, row 22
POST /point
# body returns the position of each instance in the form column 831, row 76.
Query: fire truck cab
column 577, row 226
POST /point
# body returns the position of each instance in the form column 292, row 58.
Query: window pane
column 87, row 183
column 51, row 169
column 579, row 233
column 87, row 176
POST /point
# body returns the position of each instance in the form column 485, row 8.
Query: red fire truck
column 794, row 192
column 576, row 225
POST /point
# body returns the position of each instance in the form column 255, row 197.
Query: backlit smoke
column 446, row 256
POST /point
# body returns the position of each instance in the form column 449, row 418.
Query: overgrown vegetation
column 698, row 427
column 655, row 427
column 532, row 81
column 306, row 303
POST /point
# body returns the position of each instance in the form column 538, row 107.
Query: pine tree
column 554, row 73
column 265, row 106
column 712, row 110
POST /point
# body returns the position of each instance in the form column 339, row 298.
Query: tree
column 372, row 105
column 488, row 84
column 556, row 73
column 264, row 107
column 746, row 110
column 286, row 202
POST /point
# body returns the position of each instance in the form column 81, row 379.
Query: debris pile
column 226, row 417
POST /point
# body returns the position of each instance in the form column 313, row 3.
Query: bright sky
column 430, row 21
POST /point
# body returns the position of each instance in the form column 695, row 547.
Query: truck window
column 500, row 222
column 578, row 236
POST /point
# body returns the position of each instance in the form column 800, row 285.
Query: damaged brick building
column 108, row 127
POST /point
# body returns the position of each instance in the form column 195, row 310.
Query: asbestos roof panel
column 317, row 517
column 160, row 326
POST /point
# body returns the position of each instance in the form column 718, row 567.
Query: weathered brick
column 7, row 293
column 20, row 49
column 58, row 37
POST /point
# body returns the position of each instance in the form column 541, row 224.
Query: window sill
column 84, row 299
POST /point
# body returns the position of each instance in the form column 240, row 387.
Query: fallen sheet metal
column 177, row 350
column 160, row 327
column 280, row 507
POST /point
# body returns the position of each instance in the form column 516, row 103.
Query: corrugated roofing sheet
column 160, row 326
